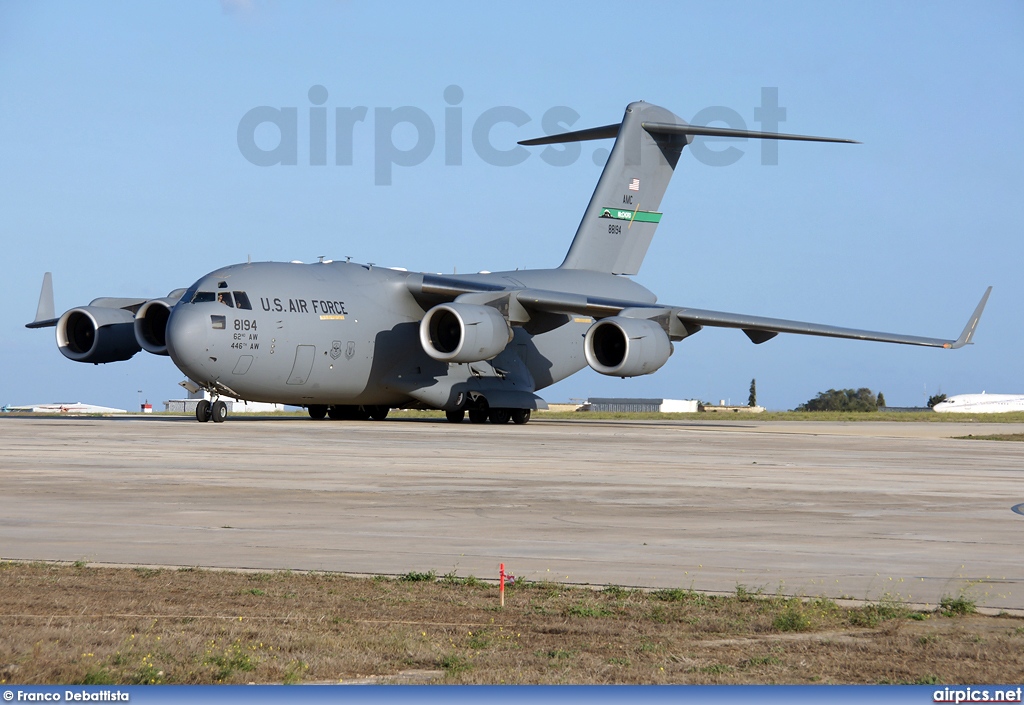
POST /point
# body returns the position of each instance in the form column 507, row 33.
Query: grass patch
column 617, row 592
column 108, row 626
column 994, row 437
column 761, row 661
column 875, row 614
column 743, row 594
column 468, row 581
column 680, row 595
column 415, row 577
column 957, row 606
column 453, row 665
column 98, row 675
column 716, row 669
column 235, row 657
column 580, row 610
column 853, row 416
column 793, row 619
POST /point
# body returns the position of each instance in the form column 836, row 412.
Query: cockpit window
column 187, row 296
column 242, row 300
column 224, row 297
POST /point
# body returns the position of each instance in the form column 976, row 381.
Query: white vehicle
column 981, row 403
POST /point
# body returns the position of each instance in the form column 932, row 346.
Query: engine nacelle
column 151, row 325
column 97, row 334
column 464, row 332
column 626, row 347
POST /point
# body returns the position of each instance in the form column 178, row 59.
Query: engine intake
column 464, row 332
column 97, row 334
column 626, row 347
column 151, row 325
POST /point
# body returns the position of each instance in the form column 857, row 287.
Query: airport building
column 665, row 406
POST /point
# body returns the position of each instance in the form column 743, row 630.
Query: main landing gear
column 481, row 413
column 216, row 411
column 347, row 412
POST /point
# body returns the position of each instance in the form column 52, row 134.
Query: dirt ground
column 67, row 624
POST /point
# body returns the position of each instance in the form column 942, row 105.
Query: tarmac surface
column 860, row 510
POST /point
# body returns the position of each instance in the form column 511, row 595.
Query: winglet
column 45, row 315
column 972, row 325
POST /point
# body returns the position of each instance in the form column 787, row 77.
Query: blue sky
column 121, row 171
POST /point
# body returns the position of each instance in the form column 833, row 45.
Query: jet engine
column 626, row 347
column 97, row 334
column 458, row 332
column 151, row 325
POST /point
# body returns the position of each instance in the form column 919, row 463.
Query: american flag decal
column 634, row 185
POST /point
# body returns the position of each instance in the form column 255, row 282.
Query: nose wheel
column 216, row 411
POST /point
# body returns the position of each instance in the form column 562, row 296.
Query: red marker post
column 501, row 584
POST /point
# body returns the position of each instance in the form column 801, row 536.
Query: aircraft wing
column 678, row 321
column 758, row 328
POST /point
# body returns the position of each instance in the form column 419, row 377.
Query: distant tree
column 862, row 399
column 881, row 401
column 752, row 399
column 936, row 399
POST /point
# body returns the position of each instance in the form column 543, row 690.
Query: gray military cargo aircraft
column 348, row 340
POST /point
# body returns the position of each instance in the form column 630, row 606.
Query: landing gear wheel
column 219, row 411
column 478, row 415
column 499, row 416
column 455, row 416
column 203, row 411
column 379, row 413
column 361, row 413
column 337, row 413
column 317, row 411
column 520, row 416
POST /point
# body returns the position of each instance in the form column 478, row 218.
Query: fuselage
column 347, row 333
column 981, row 403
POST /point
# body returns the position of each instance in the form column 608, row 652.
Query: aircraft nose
column 187, row 331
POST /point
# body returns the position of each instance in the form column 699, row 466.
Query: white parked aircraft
column 76, row 407
column 981, row 403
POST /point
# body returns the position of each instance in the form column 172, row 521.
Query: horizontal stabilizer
column 593, row 133
column 666, row 128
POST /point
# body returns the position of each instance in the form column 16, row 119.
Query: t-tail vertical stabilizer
column 619, row 223
column 620, row 220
